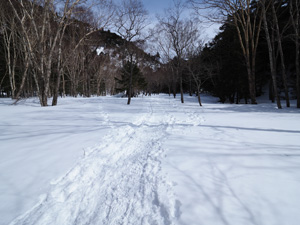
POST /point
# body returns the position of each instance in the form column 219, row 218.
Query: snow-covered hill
column 157, row 161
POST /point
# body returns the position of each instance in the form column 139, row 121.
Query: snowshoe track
column 118, row 182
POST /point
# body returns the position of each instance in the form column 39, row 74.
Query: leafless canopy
column 131, row 19
column 176, row 34
column 247, row 23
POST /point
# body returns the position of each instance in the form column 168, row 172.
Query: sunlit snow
column 99, row 161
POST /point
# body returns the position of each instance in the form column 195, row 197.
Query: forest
column 135, row 112
column 55, row 48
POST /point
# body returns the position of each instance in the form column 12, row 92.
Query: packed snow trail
column 119, row 182
column 158, row 162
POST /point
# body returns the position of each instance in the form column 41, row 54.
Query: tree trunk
column 174, row 87
column 130, row 81
column 271, row 91
column 98, row 86
column 271, row 55
column 284, row 79
column 59, row 68
column 10, row 60
column 59, row 74
column 88, row 84
column 246, row 52
column 44, row 97
column 63, row 85
column 252, row 91
column 181, row 89
column 237, row 97
column 25, row 73
column 129, row 89
column 190, row 86
column 198, row 95
column 56, row 90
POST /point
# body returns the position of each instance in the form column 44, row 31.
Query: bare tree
column 9, row 29
column 178, row 35
column 84, row 26
column 280, row 49
column 42, row 28
column 247, row 23
column 131, row 19
column 295, row 20
column 164, row 46
column 199, row 70
column 15, row 49
column 42, row 24
column 270, row 50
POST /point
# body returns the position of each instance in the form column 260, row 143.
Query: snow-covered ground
column 157, row 161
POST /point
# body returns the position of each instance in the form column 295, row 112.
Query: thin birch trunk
column 271, row 55
column 283, row 69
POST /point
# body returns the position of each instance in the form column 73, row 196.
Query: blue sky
column 156, row 6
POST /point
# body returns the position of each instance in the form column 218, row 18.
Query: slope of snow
column 157, row 161
column 240, row 165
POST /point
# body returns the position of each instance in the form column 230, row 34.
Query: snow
column 99, row 161
column 100, row 50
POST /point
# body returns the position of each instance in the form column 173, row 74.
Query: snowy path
column 119, row 182
column 156, row 161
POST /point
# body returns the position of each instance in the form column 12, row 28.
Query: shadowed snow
column 157, row 161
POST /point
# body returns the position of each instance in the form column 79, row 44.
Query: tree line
column 64, row 47
column 258, row 43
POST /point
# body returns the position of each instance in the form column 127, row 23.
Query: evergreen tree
column 224, row 54
column 138, row 80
